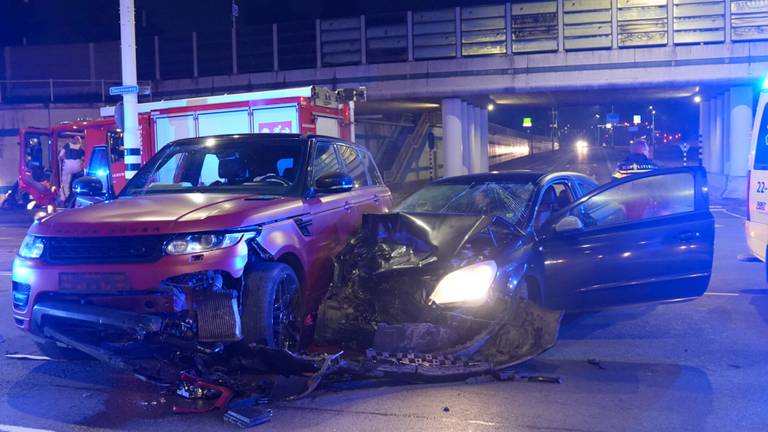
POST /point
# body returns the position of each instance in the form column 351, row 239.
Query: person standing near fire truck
column 72, row 157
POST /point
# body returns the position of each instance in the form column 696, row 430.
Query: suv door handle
column 347, row 206
column 376, row 198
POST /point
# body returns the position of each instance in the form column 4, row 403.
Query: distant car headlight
column 32, row 247
column 204, row 242
column 468, row 285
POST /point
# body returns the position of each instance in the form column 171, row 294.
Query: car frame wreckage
column 422, row 295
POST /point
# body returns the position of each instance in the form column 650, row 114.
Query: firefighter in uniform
column 72, row 157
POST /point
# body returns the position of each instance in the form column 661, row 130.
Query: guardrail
column 505, row 29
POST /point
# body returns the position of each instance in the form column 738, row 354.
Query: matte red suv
column 225, row 238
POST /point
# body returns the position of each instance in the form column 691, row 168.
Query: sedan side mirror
column 569, row 224
column 334, row 182
column 88, row 186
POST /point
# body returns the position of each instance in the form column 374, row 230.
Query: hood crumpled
column 377, row 306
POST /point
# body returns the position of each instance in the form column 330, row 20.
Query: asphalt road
column 694, row 366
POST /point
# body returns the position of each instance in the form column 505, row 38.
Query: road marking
column 5, row 273
column 724, row 294
column 11, row 428
column 720, row 209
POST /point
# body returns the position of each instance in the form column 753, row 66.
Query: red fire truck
column 305, row 110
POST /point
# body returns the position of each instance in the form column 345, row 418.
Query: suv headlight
column 468, row 285
column 204, row 242
column 32, row 247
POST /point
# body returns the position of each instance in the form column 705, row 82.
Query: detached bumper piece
column 96, row 316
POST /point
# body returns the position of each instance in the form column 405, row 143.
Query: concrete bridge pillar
column 484, row 163
column 476, row 154
column 704, row 138
column 468, row 135
column 714, row 155
column 740, row 121
column 453, row 153
column 465, row 138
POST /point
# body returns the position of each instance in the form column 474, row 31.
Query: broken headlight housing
column 468, row 285
column 31, row 247
column 203, row 242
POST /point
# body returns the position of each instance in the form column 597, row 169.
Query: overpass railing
column 504, row 29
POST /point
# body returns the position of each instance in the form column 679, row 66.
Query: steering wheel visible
column 272, row 177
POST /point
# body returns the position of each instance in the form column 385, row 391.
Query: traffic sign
column 612, row 118
column 124, row 90
column 527, row 122
column 636, row 119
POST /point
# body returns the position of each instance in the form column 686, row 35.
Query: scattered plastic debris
column 505, row 375
column 248, row 413
column 203, row 395
column 28, row 357
column 596, row 363
column 541, row 379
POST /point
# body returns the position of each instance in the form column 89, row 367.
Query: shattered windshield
column 229, row 165
column 507, row 199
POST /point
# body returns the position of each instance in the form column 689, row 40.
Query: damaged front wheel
column 271, row 306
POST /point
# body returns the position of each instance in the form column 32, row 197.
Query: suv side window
column 354, row 164
column 370, row 167
column 324, row 161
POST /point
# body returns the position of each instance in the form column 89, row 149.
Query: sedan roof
column 512, row 176
column 494, row 176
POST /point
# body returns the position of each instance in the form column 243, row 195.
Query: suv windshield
column 270, row 166
column 505, row 199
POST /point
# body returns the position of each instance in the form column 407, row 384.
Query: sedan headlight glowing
column 31, row 247
column 468, row 285
column 194, row 243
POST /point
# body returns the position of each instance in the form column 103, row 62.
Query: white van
column 756, row 226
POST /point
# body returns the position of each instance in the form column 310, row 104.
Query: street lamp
column 697, row 99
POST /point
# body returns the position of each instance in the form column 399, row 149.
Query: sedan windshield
column 506, row 199
column 229, row 165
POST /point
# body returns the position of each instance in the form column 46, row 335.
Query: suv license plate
column 92, row 281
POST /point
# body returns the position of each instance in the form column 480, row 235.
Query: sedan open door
column 645, row 238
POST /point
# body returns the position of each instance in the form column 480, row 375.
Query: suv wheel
column 271, row 306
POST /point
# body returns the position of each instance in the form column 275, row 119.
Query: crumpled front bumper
column 95, row 317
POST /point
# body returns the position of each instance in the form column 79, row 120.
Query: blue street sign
column 123, row 90
column 612, row 118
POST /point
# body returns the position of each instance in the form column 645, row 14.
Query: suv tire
column 271, row 306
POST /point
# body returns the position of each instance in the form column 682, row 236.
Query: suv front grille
column 75, row 250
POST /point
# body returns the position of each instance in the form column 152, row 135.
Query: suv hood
column 168, row 214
